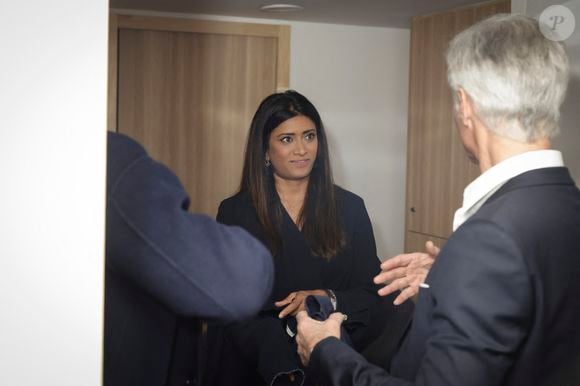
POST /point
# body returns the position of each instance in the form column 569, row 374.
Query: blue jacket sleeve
column 188, row 262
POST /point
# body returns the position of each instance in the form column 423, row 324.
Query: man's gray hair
column 515, row 77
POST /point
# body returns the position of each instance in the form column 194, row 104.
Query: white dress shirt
column 477, row 192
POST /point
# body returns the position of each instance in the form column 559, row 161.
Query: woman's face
column 292, row 148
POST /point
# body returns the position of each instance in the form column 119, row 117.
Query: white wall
column 52, row 167
column 518, row 6
column 358, row 78
column 569, row 139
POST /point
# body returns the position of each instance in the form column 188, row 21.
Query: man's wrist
column 318, row 347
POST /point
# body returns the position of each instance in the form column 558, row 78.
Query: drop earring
column 267, row 163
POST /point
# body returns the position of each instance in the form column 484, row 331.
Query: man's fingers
column 391, row 263
column 387, row 290
column 386, row 276
column 334, row 322
column 405, row 294
column 397, row 261
column 337, row 317
column 431, row 248
column 394, row 286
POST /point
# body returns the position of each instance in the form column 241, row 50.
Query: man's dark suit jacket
column 503, row 307
column 164, row 265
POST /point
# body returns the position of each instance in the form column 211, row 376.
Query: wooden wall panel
column 189, row 99
column 437, row 168
column 429, row 127
column 112, row 74
column 415, row 242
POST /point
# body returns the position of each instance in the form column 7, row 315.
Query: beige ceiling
column 380, row 13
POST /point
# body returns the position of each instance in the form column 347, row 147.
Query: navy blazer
column 349, row 274
column 263, row 342
column 164, row 264
column 503, row 307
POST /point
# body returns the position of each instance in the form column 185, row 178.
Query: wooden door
column 415, row 242
column 437, row 168
column 188, row 93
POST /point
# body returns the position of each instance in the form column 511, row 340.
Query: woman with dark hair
column 319, row 234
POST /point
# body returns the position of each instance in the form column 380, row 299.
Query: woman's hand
column 406, row 272
column 294, row 302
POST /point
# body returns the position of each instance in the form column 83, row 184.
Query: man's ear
column 465, row 109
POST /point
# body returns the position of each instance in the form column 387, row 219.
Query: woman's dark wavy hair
column 319, row 216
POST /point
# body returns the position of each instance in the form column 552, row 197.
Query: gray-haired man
column 502, row 306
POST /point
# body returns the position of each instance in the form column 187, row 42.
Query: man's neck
column 494, row 148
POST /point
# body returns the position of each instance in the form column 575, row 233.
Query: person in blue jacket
column 165, row 268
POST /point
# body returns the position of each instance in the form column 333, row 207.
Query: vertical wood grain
column 189, row 99
column 415, row 242
column 112, row 74
column 283, row 65
column 437, row 168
